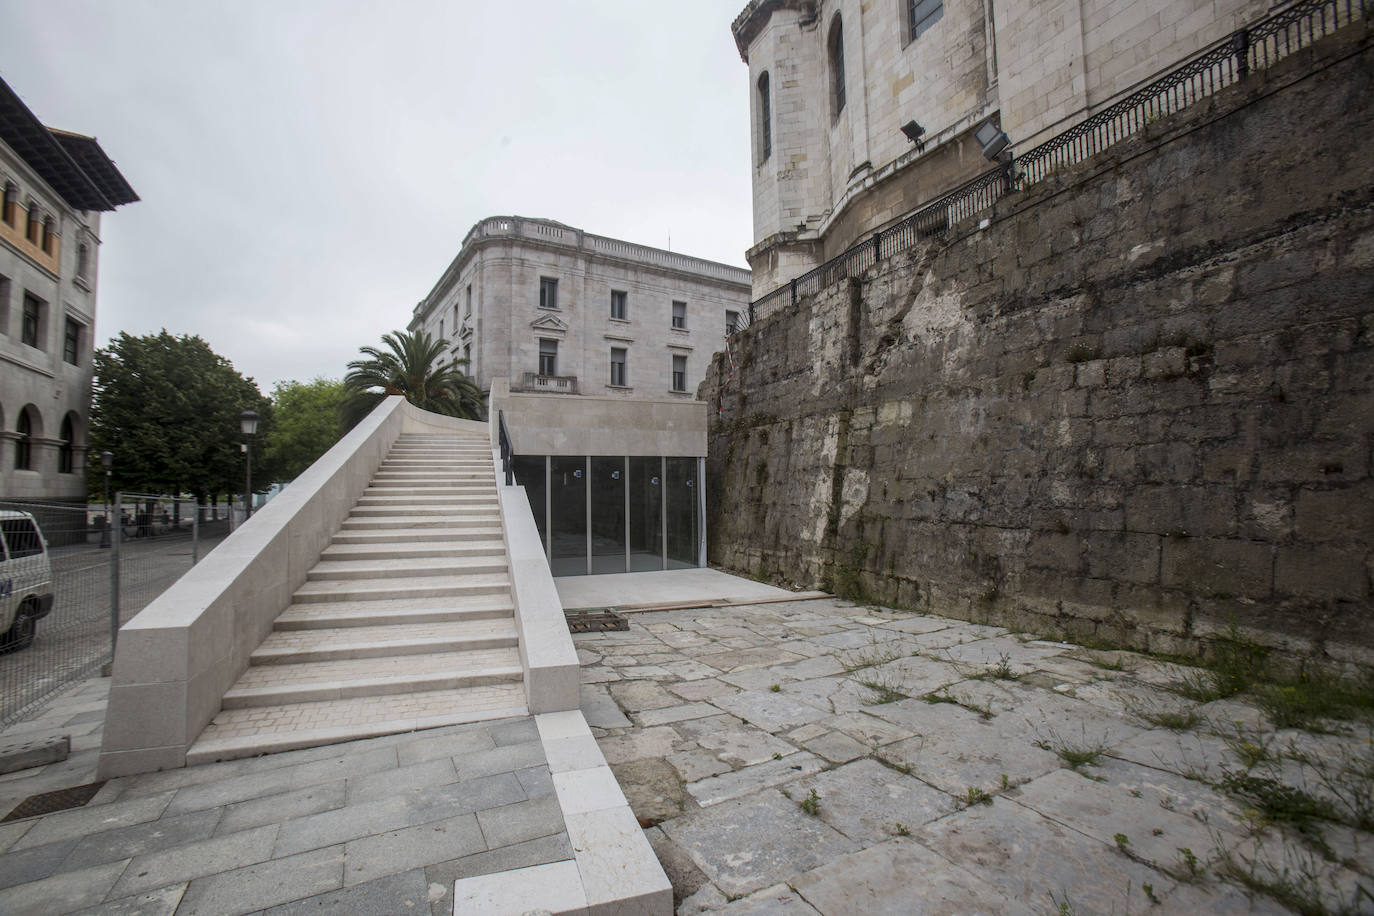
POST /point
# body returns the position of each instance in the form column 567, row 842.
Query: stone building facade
column 56, row 184
column 832, row 82
column 1132, row 402
column 561, row 311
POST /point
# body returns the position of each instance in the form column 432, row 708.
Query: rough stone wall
column 1138, row 405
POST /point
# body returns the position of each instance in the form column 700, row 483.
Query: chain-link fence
column 101, row 575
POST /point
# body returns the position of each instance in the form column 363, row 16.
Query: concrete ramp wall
column 175, row 659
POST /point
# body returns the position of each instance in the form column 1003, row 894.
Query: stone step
column 386, row 549
column 313, row 682
column 434, row 532
column 429, row 485
column 404, row 510
column 236, row 733
column 472, row 520
column 378, row 589
column 398, row 465
column 325, row 615
column 464, row 498
column 295, row 646
column 398, row 567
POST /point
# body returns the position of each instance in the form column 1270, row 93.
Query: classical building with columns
column 56, row 184
column 834, row 82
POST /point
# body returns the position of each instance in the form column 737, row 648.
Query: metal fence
column 1255, row 47
column 101, row 577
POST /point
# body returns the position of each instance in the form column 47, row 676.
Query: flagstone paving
column 816, row 756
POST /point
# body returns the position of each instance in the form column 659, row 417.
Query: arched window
column 48, row 235
column 23, row 446
column 67, row 450
column 11, row 203
column 765, row 119
column 835, row 45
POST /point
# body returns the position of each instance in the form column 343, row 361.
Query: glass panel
column 568, row 516
column 646, row 514
column 608, row 515
column 683, row 518
column 529, row 473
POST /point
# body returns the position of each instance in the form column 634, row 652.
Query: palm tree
column 412, row 365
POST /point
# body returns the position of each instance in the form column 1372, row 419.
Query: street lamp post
column 248, row 423
column 106, row 460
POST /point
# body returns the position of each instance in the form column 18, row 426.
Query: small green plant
column 1149, row 890
column 1074, row 755
column 1190, row 864
column 777, row 756
column 902, row 830
column 1176, row 720
column 944, row 696
column 869, row 656
column 1278, row 802
column 811, row 804
column 976, row 796
column 1122, row 841
column 1002, row 670
column 1006, row 783
column 887, row 688
column 776, row 688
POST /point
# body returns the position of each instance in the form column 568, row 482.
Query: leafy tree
column 308, row 419
column 168, row 407
column 411, row 365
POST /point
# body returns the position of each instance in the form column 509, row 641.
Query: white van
column 25, row 579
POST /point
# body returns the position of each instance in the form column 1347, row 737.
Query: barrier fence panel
column 101, row 577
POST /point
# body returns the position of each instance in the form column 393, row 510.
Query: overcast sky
column 308, row 168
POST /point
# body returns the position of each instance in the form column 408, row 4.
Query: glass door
column 646, row 514
column 684, row 521
column 568, row 516
column 608, row 515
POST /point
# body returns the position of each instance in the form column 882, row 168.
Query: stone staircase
column 405, row 622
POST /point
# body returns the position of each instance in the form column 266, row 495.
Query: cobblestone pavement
column 816, row 756
column 384, row 825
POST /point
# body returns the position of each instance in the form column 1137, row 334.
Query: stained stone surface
column 895, row 827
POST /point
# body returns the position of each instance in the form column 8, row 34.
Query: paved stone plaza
column 937, row 751
column 384, row 825
column 719, row 723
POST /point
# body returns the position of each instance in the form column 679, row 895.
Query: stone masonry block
column 1218, row 567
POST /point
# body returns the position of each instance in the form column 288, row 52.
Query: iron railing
column 1255, row 47
column 507, row 450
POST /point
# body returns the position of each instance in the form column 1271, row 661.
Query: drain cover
column 49, row 802
column 596, row 621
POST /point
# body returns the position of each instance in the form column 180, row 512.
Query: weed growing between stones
column 1300, row 880
column 887, row 688
column 902, row 829
column 976, row 796
column 870, row 656
column 944, row 696
column 811, row 804
column 1074, row 755
column 1177, row 720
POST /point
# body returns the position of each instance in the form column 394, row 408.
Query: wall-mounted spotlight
column 914, row 132
column 994, row 142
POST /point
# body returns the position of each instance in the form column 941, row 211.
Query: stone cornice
column 754, row 17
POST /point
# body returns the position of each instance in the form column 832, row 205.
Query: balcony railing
column 548, row 384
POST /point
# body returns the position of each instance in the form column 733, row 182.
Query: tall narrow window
column 548, row 357
column 620, row 305
column 5, row 306
column 35, row 225
column 23, row 446
column 679, row 373
column 66, row 451
column 836, row 48
column 921, row 15
column 441, row 329
column 83, row 260
column 71, row 342
column 32, row 331
column 620, row 376
column 48, row 235
column 731, row 322
column 680, row 315
column 467, row 359
column 467, row 308
column 548, row 293
column 765, row 119
column 10, row 213
column 455, row 316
